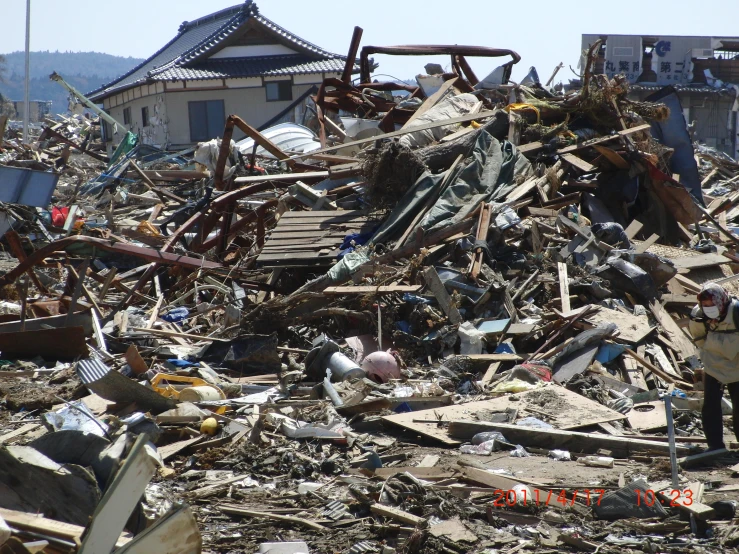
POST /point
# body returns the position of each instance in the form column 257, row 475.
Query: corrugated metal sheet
column 26, row 186
column 91, row 370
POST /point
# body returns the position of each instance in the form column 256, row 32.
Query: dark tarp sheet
column 489, row 177
column 673, row 133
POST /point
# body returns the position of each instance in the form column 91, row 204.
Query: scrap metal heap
column 453, row 320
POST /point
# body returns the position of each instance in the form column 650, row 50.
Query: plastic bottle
column 596, row 461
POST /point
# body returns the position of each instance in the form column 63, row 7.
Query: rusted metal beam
column 158, row 257
column 262, row 141
column 14, row 241
column 466, row 69
column 216, row 209
column 431, row 50
column 346, row 76
column 48, row 131
column 247, row 219
column 224, row 152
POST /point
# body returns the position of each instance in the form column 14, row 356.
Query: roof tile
column 182, row 57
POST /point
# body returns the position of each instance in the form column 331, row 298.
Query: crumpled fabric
column 449, row 108
column 346, row 266
column 359, row 239
column 207, row 154
column 718, row 294
column 611, row 233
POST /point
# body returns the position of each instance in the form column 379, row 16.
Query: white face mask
column 712, row 312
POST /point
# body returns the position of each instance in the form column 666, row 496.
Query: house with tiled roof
column 234, row 61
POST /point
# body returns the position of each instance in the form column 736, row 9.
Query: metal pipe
column 671, row 438
column 330, row 391
column 87, row 102
column 342, row 368
column 27, row 94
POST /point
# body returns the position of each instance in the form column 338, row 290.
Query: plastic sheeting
column 674, row 134
column 449, row 108
column 490, row 176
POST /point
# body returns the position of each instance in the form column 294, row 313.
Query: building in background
column 234, row 61
column 40, row 109
column 703, row 70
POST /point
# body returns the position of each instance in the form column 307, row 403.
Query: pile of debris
column 453, row 322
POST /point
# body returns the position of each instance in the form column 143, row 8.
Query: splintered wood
column 558, row 406
column 311, row 238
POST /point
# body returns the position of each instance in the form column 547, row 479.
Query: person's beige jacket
column 719, row 350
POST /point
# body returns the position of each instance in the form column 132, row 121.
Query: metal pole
column 27, row 97
column 671, row 438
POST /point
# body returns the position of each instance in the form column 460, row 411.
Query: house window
column 106, row 131
column 207, row 119
column 127, row 116
column 145, row 116
column 279, row 91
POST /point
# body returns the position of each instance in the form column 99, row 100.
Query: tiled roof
column 250, row 67
column 197, row 39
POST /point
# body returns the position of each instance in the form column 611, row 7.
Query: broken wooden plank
column 490, row 373
column 579, row 412
column 121, row 498
column 176, row 532
column 238, row 511
column 633, row 228
column 644, row 246
column 564, row 287
column 579, row 163
column 442, row 296
column 425, row 127
column 704, row 458
column 370, row 289
column 700, row 261
column 429, row 461
column 398, row 515
column 685, row 347
column 561, row 439
column 58, row 529
column 22, row 430
column 631, row 328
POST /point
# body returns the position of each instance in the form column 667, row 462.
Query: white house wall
column 169, row 114
column 156, row 132
column 248, row 103
column 253, row 50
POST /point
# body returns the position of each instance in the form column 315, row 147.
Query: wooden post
column 564, row 287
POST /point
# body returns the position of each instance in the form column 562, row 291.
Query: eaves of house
column 188, row 56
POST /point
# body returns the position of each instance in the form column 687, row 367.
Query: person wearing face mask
column 714, row 325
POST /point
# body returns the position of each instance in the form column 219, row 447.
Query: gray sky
column 543, row 32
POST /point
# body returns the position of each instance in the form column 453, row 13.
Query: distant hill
column 85, row 71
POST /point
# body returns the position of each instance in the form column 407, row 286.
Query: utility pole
column 27, row 97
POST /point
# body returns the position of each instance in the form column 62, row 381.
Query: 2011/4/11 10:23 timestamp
column 672, row 498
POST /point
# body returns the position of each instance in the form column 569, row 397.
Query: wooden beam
column 564, row 439
column 579, row 163
column 644, row 246
column 441, row 123
column 442, row 296
column 564, row 287
column 398, row 514
column 633, row 228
